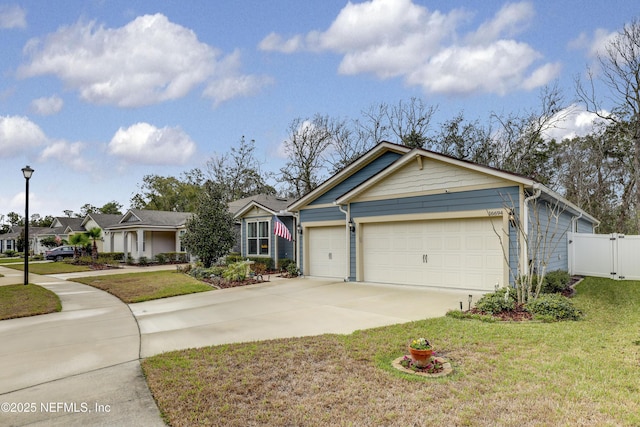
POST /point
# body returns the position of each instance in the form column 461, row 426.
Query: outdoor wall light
column 512, row 218
column 352, row 226
column 299, row 229
column 27, row 172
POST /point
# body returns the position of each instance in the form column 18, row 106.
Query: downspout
column 297, row 248
column 525, row 219
column 347, row 241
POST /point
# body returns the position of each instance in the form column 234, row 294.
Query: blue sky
column 96, row 94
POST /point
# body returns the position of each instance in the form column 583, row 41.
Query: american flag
column 279, row 229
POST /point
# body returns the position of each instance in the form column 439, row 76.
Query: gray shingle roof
column 274, row 203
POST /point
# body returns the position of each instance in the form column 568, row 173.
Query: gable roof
column 358, row 164
column 65, row 222
column 272, row 204
column 103, row 220
column 135, row 218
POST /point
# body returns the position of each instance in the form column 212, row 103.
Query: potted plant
column 421, row 351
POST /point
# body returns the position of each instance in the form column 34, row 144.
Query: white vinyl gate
column 616, row 256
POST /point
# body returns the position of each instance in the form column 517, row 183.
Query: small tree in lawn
column 210, row 233
column 79, row 239
column 94, row 234
column 540, row 238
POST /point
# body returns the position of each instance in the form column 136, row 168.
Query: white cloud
column 594, row 45
column 577, row 122
column 146, row 144
column 18, row 135
column 147, row 61
column 232, row 84
column 67, row 153
column 397, row 38
column 47, row 106
column 12, row 17
column 512, row 19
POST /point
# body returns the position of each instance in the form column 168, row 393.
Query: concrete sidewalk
column 76, row 367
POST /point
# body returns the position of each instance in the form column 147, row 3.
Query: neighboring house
column 146, row 233
column 9, row 241
column 101, row 221
column 61, row 227
column 257, row 217
column 411, row 216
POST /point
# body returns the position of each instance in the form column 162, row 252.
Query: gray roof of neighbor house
column 75, row 224
column 274, row 203
column 103, row 220
column 141, row 217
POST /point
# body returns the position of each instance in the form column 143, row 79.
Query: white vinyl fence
column 616, row 256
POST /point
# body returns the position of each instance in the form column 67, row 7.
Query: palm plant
column 79, row 239
column 95, row 233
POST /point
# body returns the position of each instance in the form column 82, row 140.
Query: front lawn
column 138, row 287
column 11, row 260
column 50, row 267
column 29, row 300
column 516, row 374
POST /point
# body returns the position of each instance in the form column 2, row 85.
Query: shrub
column 496, row 302
column 10, row 253
column 236, row 271
column 555, row 282
column 292, row 270
column 162, row 258
column 284, row 264
column 553, row 306
column 143, row 260
column 117, row 256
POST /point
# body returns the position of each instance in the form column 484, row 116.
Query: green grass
column 505, row 374
column 11, row 260
column 29, row 300
column 138, row 287
column 50, row 267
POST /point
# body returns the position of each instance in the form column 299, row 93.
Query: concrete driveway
column 283, row 308
column 81, row 367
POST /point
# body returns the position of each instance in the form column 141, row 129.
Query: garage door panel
column 327, row 251
column 463, row 253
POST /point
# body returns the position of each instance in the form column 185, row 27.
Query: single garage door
column 327, row 251
column 461, row 253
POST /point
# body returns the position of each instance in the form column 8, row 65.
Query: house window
column 258, row 238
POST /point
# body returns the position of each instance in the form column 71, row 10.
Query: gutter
column 347, row 241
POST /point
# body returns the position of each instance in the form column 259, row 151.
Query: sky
column 96, row 94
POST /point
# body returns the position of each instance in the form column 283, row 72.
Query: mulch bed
column 520, row 314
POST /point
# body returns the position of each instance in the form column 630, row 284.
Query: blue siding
column 553, row 232
column 321, row 214
column 357, row 178
column 585, row 226
column 286, row 249
column 446, row 202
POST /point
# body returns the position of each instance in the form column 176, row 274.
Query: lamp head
column 27, row 172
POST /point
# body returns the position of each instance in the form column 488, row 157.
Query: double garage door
column 460, row 253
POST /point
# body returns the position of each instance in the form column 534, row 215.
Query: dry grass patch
column 527, row 374
column 138, row 287
column 29, row 300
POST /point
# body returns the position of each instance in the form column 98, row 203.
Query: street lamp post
column 27, row 172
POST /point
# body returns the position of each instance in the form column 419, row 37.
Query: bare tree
column 523, row 145
column 410, row 121
column 308, row 142
column 620, row 73
column 538, row 237
column 238, row 173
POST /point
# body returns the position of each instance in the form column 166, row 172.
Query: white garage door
column 327, row 251
column 462, row 253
